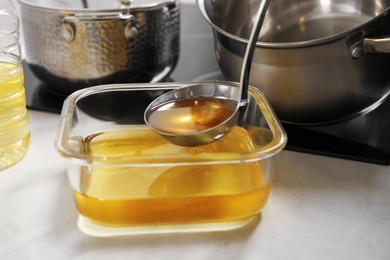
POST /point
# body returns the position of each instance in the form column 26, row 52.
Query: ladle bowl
column 219, row 89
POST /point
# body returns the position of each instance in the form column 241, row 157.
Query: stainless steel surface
column 316, row 61
column 75, row 48
column 218, row 131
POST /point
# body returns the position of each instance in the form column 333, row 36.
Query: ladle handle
column 250, row 49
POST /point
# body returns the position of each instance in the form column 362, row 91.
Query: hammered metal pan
column 70, row 47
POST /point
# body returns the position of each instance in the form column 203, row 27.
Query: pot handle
column 97, row 16
column 371, row 45
column 377, row 45
column 70, row 21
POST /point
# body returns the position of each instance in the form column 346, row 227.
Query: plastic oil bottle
column 14, row 125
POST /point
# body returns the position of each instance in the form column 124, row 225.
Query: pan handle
column 377, row 45
column 371, row 45
column 70, row 22
column 96, row 16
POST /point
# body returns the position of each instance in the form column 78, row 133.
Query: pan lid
column 94, row 5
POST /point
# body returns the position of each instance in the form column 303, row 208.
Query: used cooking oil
column 153, row 194
column 191, row 115
column 14, row 129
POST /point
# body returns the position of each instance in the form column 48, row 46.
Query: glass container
column 126, row 179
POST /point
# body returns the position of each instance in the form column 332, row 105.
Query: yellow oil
column 191, row 115
column 14, row 129
column 157, row 195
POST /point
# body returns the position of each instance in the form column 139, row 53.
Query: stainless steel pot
column 74, row 44
column 317, row 61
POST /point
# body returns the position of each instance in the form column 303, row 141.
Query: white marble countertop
column 319, row 208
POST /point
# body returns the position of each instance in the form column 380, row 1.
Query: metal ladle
column 215, row 132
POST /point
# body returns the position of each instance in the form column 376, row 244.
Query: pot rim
column 147, row 7
column 286, row 45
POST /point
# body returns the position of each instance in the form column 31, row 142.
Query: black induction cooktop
column 365, row 138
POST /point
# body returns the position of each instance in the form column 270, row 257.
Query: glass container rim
column 277, row 143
